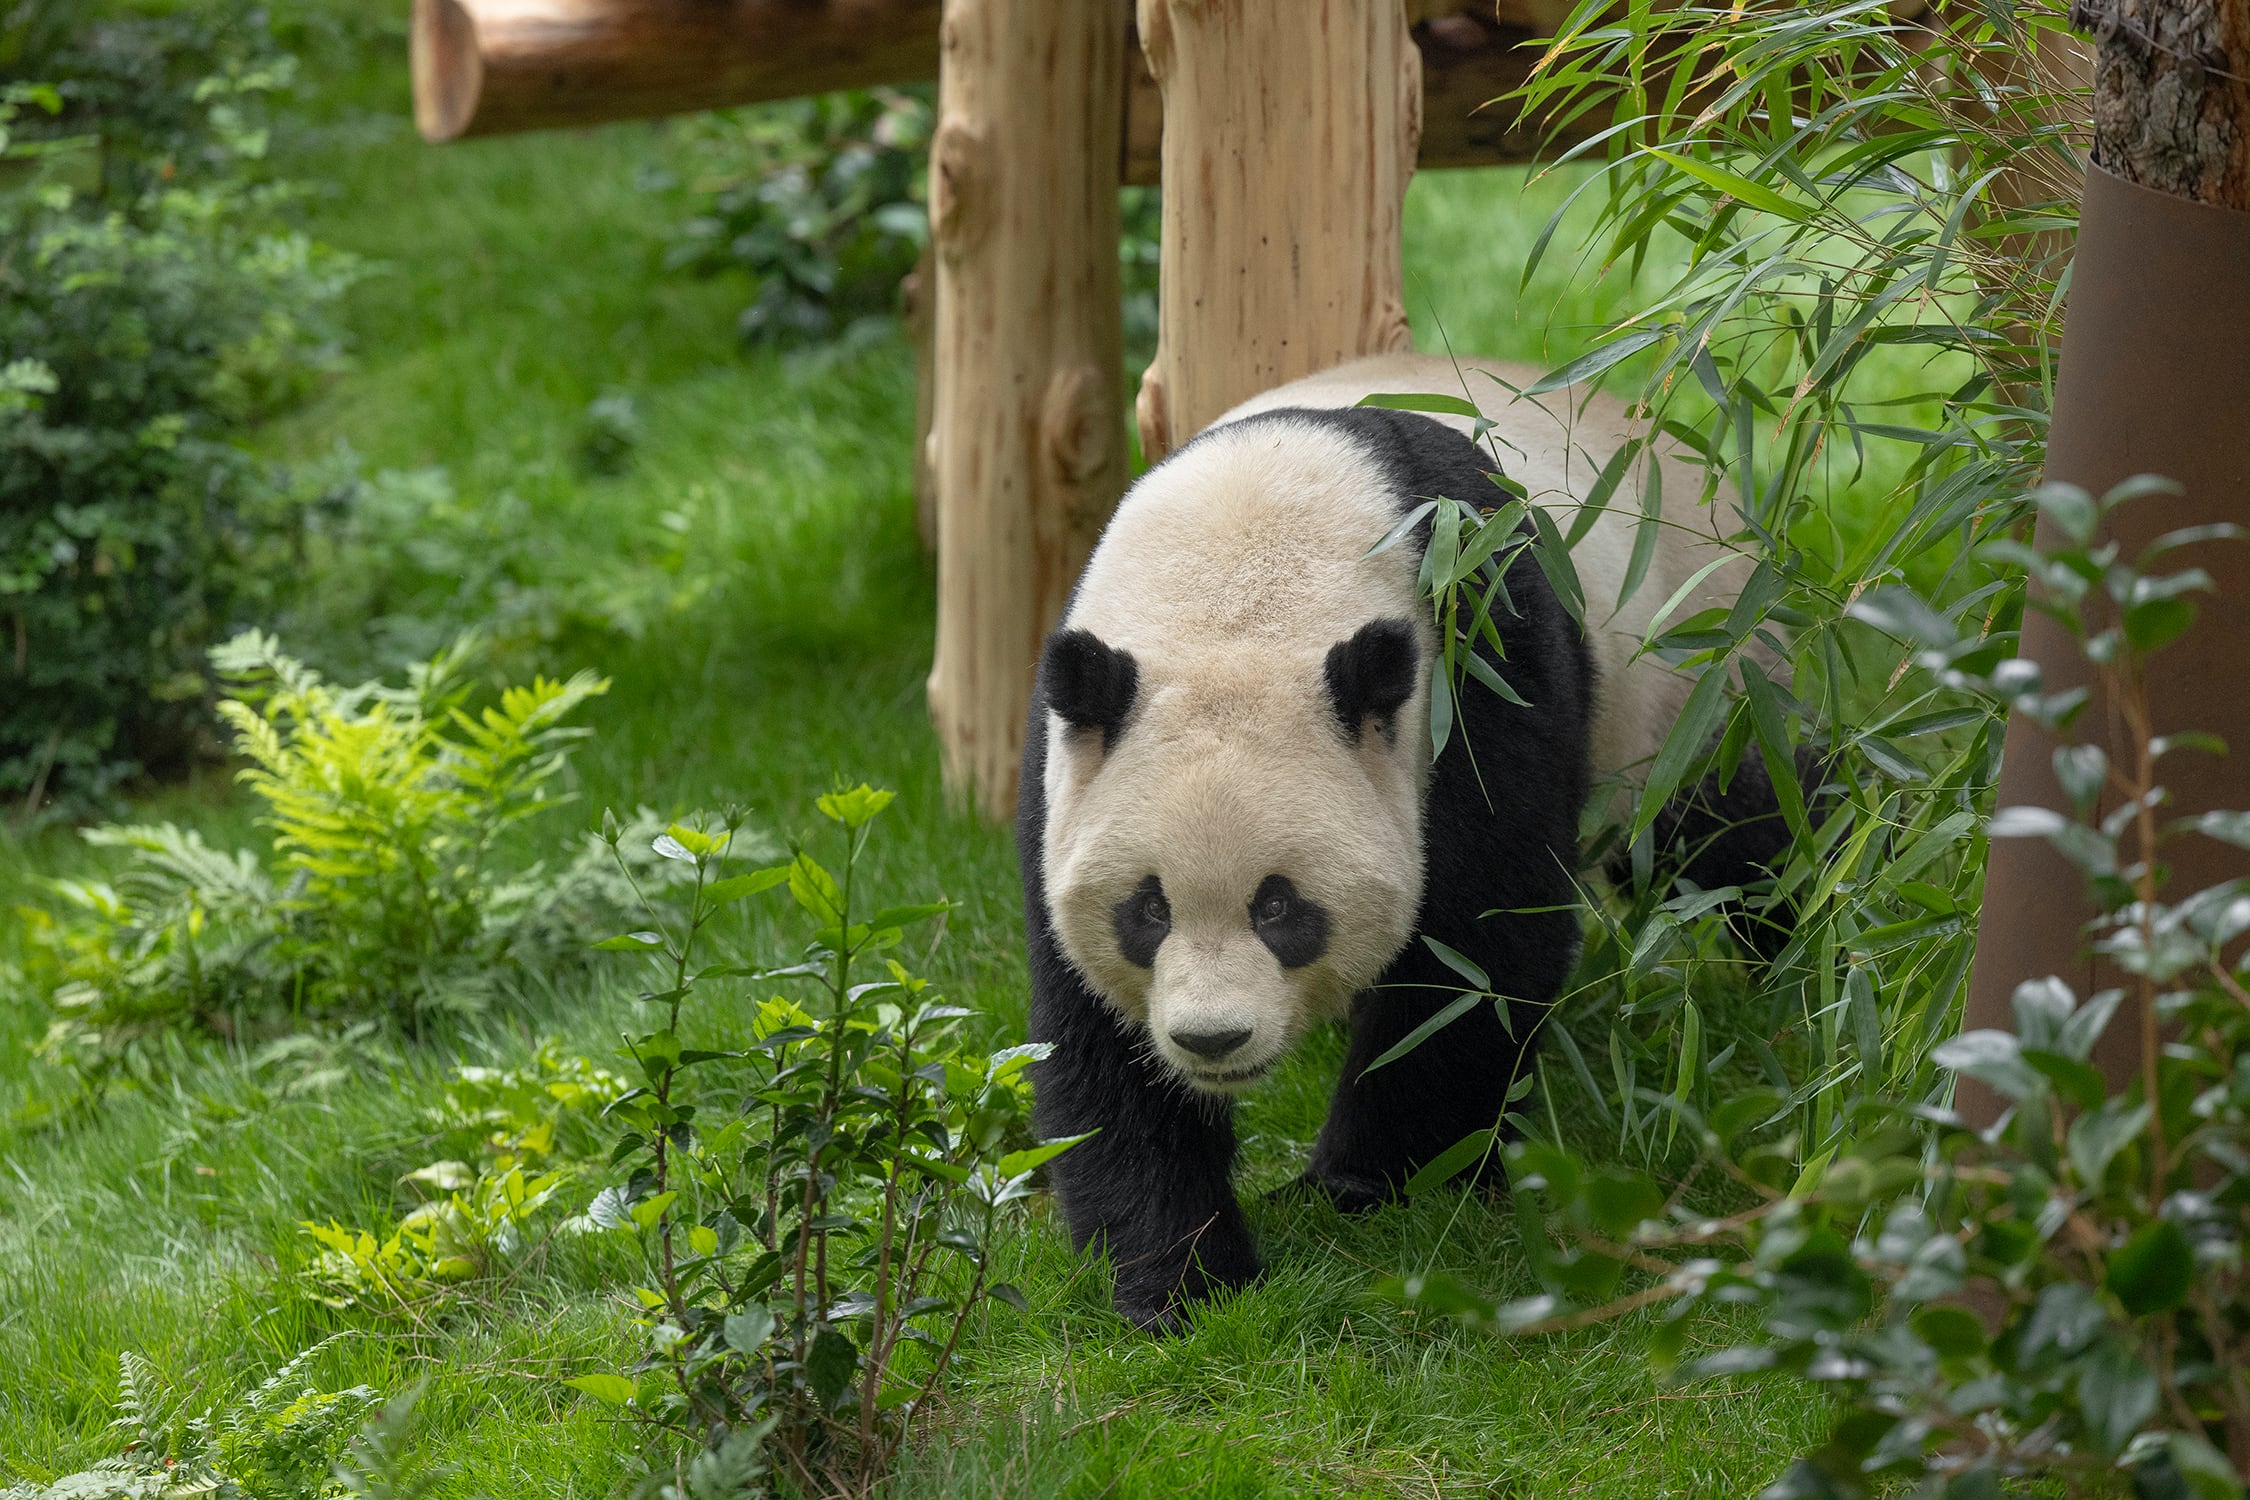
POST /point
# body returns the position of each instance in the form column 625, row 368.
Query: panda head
column 1234, row 840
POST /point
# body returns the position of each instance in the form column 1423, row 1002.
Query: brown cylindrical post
column 1028, row 428
column 1289, row 134
column 486, row 67
column 2155, row 379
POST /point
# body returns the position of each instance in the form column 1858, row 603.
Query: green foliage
column 281, row 1441
column 531, row 1130
column 821, row 200
column 2061, row 1297
column 379, row 896
column 152, row 307
column 824, row 201
column 1852, row 228
column 820, row 1204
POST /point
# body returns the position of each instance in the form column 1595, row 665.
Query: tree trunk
column 1289, row 135
column 1029, row 420
column 2155, row 379
column 2172, row 95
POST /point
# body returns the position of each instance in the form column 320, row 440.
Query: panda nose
column 1210, row 1044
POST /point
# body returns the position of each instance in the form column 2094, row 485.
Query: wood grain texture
column 1289, row 135
column 1028, row 429
column 493, row 67
column 489, row 67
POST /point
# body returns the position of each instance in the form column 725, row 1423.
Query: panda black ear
column 1372, row 675
column 1089, row 682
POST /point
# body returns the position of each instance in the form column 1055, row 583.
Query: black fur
column 1292, row 925
column 1090, row 683
column 1371, row 675
column 1142, row 921
column 1718, row 837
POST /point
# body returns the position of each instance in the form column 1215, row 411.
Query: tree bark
column 917, row 298
column 2155, row 378
column 2172, row 94
column 1029, row 419
column 1289, row 136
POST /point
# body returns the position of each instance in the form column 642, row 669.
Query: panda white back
column 1555, row 445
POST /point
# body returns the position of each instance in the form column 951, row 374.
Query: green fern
column 376, row 895
column 282, row 1440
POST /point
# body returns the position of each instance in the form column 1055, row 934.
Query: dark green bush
column 821, row 201
column 152, row 307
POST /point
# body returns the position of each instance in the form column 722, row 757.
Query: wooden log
column 917, row 298
column 1470, row 62
column 1029, row 422
column 492, row 67
column 1289, row 136
column 489, row 67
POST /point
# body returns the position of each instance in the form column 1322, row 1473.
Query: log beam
column 495, row 67
column 1290, row 133
column 491, row 67
column 1029, row 427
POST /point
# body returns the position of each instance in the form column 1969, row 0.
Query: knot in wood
column 1075, row 422
column 961, row 187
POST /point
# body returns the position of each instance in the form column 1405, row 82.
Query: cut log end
column 447, row 68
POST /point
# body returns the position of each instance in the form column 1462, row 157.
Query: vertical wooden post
column 1290, row 132
column 917, row 297
column 1028, row 429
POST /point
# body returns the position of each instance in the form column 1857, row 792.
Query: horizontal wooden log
column 494, row 67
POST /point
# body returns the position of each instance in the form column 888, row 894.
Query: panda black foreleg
column 1385, row 1125
column 1153, row 1186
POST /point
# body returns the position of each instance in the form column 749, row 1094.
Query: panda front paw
column 1156, row 1295
column 1152, row 1312
column 1349, row 1191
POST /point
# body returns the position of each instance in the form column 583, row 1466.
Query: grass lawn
column 768, row 624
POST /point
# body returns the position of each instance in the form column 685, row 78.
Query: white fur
column 1228, row 573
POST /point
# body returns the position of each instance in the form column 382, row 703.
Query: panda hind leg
column 1734, row 836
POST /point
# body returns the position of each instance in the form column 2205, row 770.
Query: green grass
column 768, row 616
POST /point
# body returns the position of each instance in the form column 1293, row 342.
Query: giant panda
column 1231, row 829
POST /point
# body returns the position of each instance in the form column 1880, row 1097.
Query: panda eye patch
column 1142, row 921
column 1293, row 927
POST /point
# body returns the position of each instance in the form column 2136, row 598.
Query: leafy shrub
column 283, row 1440
column 824, row 202
column 2061, row 1298
column 149, row 312
column 1847, row 230
column 379, row 895
column 819, row 1202
column 476, row 1227
column 532, row 1129
column 821, row 201
column 406, row 561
